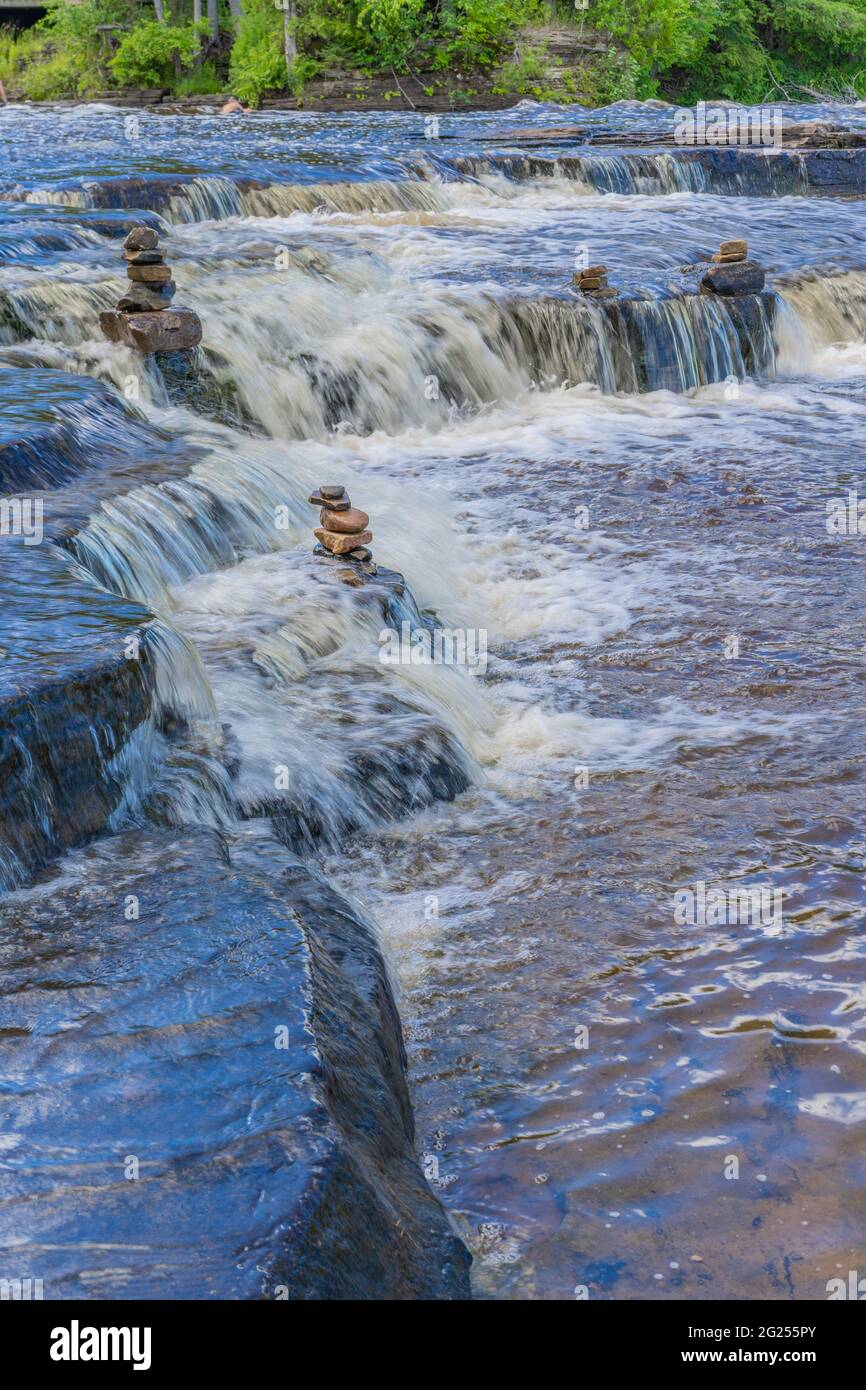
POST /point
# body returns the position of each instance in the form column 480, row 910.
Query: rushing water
column 633, row 510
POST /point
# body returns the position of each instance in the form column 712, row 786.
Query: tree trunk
column 236, row 9
column 213, row 19
column 290, row 46
column 160, row 10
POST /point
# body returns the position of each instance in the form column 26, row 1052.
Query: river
column 615, row 1095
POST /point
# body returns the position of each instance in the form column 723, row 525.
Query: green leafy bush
column 395, row 28
column 151, row 54
column 258, row 61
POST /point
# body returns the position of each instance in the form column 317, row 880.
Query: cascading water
column 626, row 498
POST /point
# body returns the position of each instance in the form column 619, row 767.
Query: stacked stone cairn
column 731, row 253
column 342, row 532
column 143, row 317
column 593, row 280
column 731, row 271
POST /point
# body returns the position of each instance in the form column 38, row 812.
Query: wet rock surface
column 738, row 277
column 223, row 1109
column 170, row 330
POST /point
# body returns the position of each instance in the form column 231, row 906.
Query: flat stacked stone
column 138, row 318
column 731, row 252
column 343, row 529
column 593, row 280
column 731, row 272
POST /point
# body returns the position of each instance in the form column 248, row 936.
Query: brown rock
column 719, row 259
column 149, row 274
column 351, row 577
column 144, row 257
column 341, row 505
column 145, row 298
column 341, row 545
column 333, row 491
column 734, row 248
column 345, row 523
column 362, row 553
column 141, row 239
column 171, row 330
column 591, row 271
column 592, row 282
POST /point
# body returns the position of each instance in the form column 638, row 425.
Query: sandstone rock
column 144, row 257
column 346, row 523
column 734, row 248
column 141, row 239
column 351, row 577
column 149, row 274
column 590, row 271
column 341, row 545
column 142, row 298
column 340, row 505
column 171, row 330
column 747, row 277
column 592, row 282
column 362, row 553
column 720, row 259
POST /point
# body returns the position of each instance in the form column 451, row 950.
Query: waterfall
column 829, row 308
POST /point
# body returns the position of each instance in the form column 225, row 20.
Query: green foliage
column 201, row 81
column 521, row 76
column 151, row 54
column 478, row 32
column 395, row 28
column 258, row 61
column 740, row 50
column 657, row 34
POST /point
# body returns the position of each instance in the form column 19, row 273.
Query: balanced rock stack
column 731, row 272
column 593, row 280
column 343, row 528
column 731, row 253
column 144, row 318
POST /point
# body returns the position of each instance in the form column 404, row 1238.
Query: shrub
column 258, row 61
column 152, row 54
